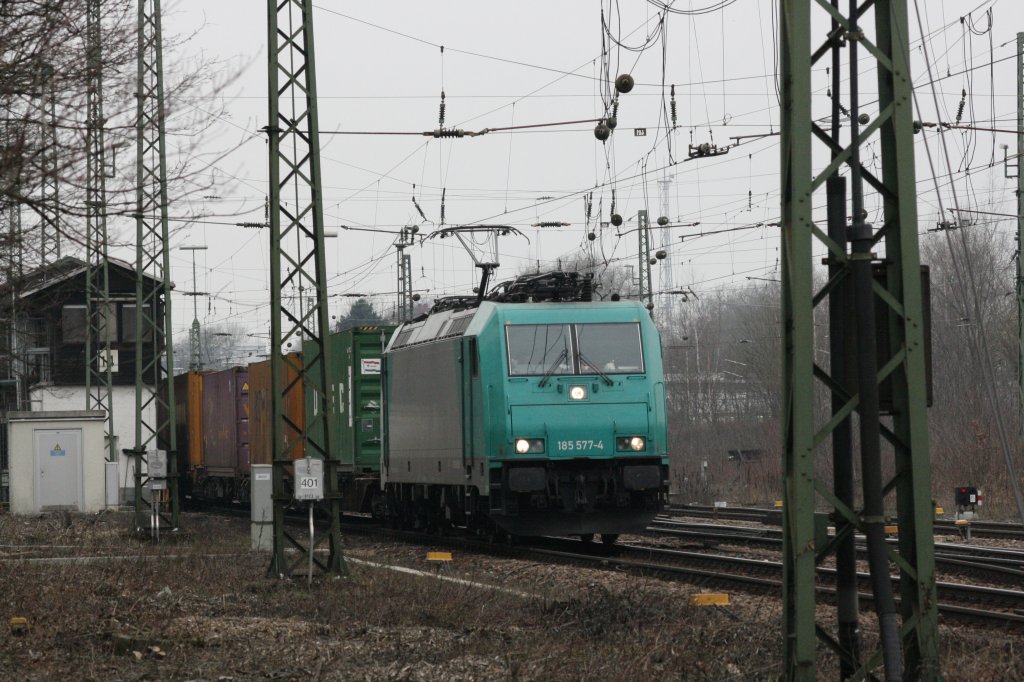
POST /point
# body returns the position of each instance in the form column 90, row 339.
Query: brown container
column 261, row 449
column 226, row 422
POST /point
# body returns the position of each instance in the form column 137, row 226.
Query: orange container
column 261, row 450
column 188, row 413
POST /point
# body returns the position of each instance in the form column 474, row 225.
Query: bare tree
column 964, row 433
column 43, row 93
column 221, row 346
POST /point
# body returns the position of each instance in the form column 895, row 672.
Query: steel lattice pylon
column 49, row 198
column 154, row 393
column 98, row 373
column 405, row 300
column 12, row 259
column 898, row 297
column 1020, row 221
column 643, row 229
column 297, row 260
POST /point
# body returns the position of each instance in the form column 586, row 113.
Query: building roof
column 56, row 273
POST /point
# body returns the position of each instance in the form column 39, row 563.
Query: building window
column 128, row 324
column 73, row 325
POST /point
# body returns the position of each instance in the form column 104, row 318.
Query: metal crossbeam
column 99, row 314
column 899, row 296
column 297, row 260
column 154, row 392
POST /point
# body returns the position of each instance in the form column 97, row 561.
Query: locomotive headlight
column 577, row 393
column 627, row 443
column 529, row 445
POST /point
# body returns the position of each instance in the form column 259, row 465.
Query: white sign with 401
column 309, row 479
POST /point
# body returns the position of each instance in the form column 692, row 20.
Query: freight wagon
column 212, row 431
column 224, row 421
column 356, row 389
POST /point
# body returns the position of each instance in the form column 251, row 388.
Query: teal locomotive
column 531, row 411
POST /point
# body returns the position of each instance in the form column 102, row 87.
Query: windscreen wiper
column 564, row 355
column 604, row 377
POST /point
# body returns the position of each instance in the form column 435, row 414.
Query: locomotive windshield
column 611, row 348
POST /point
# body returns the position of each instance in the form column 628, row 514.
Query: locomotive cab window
column 539, row 349
column 610, row 348
column 548, row 349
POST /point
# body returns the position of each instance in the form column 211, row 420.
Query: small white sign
column 370, row 365
column 262, row 477
column 309, row 479
column 107, row 360
column 157, row 462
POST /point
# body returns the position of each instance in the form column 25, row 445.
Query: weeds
column 213, row 615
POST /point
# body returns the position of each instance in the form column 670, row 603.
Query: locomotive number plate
column 576, row 445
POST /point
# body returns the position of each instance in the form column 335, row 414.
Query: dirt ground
column 200, row 607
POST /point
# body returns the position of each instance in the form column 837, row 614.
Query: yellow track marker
column 709, row 599
column 439, row 556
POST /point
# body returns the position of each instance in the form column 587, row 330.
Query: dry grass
column 200, row 617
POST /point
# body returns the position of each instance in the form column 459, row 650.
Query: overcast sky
column 381, row 69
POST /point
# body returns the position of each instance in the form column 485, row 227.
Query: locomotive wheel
column 609, row 539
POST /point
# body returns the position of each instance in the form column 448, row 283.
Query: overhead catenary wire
column 386, row 185
column 978, row 342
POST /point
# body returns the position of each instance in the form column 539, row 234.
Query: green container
column 356, row 390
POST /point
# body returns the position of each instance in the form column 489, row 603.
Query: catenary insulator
column 624, row 83
column 602, row 131
column 660, row 255
column 672, row 104
column 616, row 219
column 662, row 220
column 591, row 236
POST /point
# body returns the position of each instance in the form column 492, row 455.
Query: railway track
column 973, row 603
column 993, row 564
column 980, row 529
